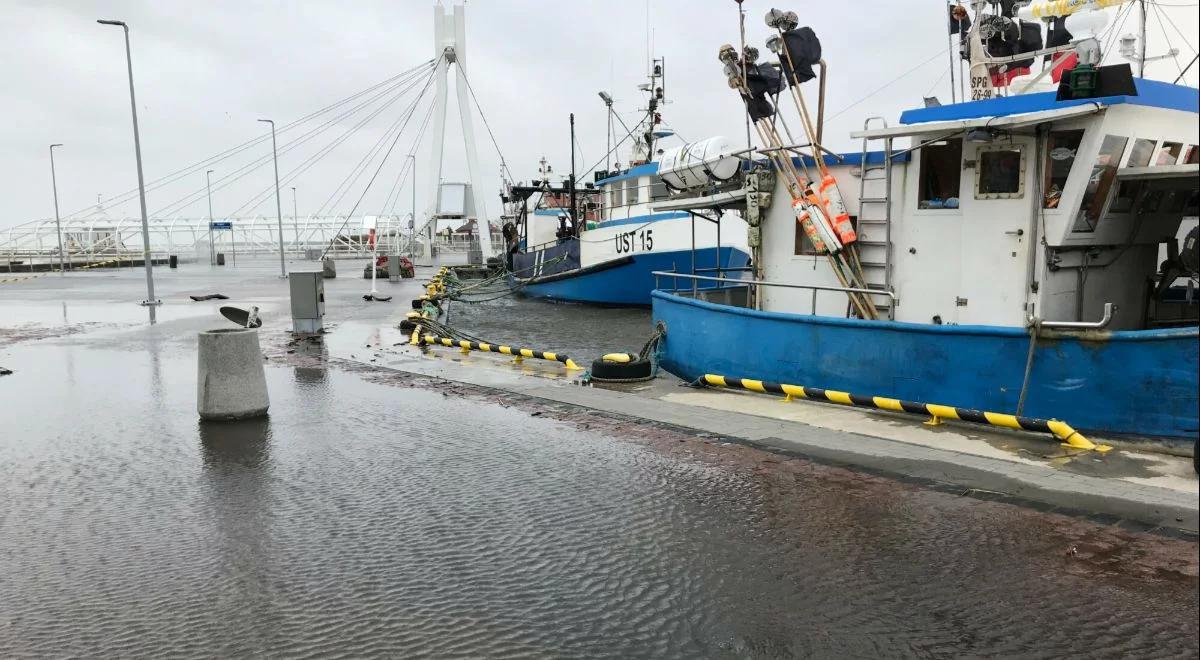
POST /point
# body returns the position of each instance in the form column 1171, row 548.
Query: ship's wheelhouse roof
column 1152, row 93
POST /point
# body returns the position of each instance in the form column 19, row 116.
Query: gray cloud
column 206, row 71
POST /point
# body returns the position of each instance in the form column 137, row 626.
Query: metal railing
column 815, row 288
column 1077, row 325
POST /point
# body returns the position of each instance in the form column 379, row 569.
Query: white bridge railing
column 93, row 239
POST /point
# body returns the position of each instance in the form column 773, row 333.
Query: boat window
column 803, row 246
column 1151, row 201
column 1176, row 200
column 617, row 191
column 1192, row 206
column 1000, row 172
column 1193, row 155
column 1169, row 153
column 1141, row 153
column 631, row 191
column 658, row 189
column 1060, row 157
column 1099, row 184
column 1127, row 193
column 941, row 171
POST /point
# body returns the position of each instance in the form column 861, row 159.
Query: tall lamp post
column 57, row 222
column 150, row 300
column 212, row 251
column 278, row 204
column 608, row 102
column 412, row 218
column 295, row 218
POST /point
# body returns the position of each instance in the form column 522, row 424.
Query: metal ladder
column 875, row 219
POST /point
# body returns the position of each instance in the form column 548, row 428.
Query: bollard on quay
column 231, row 382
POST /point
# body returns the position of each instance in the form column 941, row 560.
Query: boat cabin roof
column 1024, row 109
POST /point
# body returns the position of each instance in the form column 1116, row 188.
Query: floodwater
column 369, row 518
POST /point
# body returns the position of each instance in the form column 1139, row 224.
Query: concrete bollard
column 231, row 383
column 328, row 268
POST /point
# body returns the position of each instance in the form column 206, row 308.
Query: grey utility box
column 308, row 301
column 393, row 268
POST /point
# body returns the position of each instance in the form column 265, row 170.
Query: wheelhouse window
column 658, row 189
column 1060, row 157
column 617, row 191
column 631, row 191
column 1099, row 184
column 1169, row 153
column 941, row 171
column 1193, row 155
column 804, row 246
column 1142, row 152
column 1000, row 172
column 1127, row 193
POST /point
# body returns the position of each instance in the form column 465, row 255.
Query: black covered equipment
column 803, row 52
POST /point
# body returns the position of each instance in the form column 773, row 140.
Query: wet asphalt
column 372, row 515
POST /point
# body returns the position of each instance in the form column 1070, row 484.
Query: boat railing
column 1076, row 325
column 758, row 284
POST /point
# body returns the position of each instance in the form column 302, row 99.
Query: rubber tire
column 618, row 371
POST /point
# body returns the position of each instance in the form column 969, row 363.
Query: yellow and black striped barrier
column 98, row 264
column 11, row 280
column 518, row 353
column 937, row 413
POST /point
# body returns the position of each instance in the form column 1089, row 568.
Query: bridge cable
column 228, row 179
column 305, row 165
column 376, row 174
column 364, row 163
column 129, row 195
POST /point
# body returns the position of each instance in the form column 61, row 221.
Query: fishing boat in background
column 1030, row 251
column 600, row 243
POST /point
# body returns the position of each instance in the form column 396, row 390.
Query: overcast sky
column 205, row 71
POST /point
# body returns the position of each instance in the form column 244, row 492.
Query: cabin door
column 995, row 214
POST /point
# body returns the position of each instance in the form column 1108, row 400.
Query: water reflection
column 244, row 443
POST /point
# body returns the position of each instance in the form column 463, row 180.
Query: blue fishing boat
column 600, row 243
column 1031, row 251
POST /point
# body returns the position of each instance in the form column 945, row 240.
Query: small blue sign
column 221, row 225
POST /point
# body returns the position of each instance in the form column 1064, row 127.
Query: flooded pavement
column 585, row 331
column 379, row 514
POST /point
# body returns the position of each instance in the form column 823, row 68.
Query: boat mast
column 1142, row 32
column 574, row 215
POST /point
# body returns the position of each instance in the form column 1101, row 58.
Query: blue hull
column 1141, row 383
column 630, row 282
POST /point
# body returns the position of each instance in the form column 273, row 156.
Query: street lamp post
column 608, row 102
column 150, row 300
column 57, row 222
column 295, row 218
column 278, row 204
column 212, row 251
column 412, row 218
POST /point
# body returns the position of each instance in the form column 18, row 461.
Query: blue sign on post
column 221, row 225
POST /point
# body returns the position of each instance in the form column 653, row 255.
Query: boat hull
column 626, row 281
column 1141, row 383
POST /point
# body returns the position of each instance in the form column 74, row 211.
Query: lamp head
column 55, row 145
column 980, row 135
column 606, row 97
column 121, row 23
